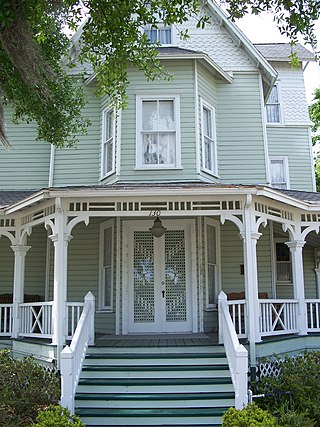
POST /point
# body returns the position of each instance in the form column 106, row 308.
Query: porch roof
column 17, row 199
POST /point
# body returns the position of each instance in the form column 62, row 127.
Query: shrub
column 250, row 416
column 57, row 416
column 299, row 375
column 25, row 387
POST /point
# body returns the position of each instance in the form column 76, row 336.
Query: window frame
column 285, row 162
column 160, row 26
column 281, row 282
column 139, row 131
column 104, row 141
column 213, row 144
column 102, row 289
column 215, row 224
column 278, row 104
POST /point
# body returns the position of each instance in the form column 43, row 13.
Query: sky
column 262, row 29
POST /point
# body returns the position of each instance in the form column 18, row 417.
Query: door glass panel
column 175, row 276
column 143, row 280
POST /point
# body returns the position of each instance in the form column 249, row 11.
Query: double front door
column 158, row 297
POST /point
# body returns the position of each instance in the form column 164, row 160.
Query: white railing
column 278, row 317
column 238, row 313
column 237, row 355
column 73, row 314
column 313, row 315
column 36, row 319
column 72, row 357
column 6, row 323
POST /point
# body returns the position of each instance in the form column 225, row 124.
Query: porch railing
column 6, row 323
column 72, row 356
column 73, row 314
column 313, row 315
column 238, row 313
column 278, row 317
column 36, row 319
column 236, row 353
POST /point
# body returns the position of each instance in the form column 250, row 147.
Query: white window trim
column 281, row 122
column 139, row 155
column 285, row 161
column 216, row 225
column 103, row 226
column 103, row 173
column 277, row 282
column 204, row 104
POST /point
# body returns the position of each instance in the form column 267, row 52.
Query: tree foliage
column 314, row 112
column 36, row 56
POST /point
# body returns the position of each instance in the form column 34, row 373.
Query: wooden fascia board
column 28, row 201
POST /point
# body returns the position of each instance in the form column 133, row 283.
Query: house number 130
column 155, row 213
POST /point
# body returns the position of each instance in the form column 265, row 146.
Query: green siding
column 293, row 142
column 25, row 166
column 35, row 263
column 182, row 84
column 241, row 154
column 6, row 266
column 310, row 282
column 81, row 165
column 264, row 262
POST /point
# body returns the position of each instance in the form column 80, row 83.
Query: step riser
column 156, row 362
column 161, row 374
column 187, row 350
column 147, row 421
column 205, row 403
column 157, row 389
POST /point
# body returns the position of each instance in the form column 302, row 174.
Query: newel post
column 90, row 299
column 222, row 299
column 241, row 378
column 67, row 378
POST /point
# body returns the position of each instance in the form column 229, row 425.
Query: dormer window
column 273, row 106
column 160, row 34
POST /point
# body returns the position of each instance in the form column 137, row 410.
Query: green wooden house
column 177, row 244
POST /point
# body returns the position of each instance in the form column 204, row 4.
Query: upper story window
column 108, row 142
column 279, row 172
column 273, row 106
column 162, row 34
column 209, row 149
column 158, row 132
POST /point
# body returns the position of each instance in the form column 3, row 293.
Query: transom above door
column 158, row 296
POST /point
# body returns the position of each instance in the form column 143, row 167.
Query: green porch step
column 150, row 412
column 107, row 382
column 154, row 396
column 153, row 368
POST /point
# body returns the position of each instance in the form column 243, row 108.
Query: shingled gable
column 281, row 52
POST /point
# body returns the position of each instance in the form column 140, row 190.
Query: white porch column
column 20, row 252
column 296, row 247
column 60, row 241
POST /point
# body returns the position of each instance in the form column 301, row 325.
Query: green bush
column 299, row 375
column 250, row 416
column 25, row 387
column 57, row 416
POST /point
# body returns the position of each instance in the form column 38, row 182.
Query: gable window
column 159, row 34
column 211, row 264
column 158, row 135
column 106, row 265
column 108, row 137
column 273, row 106
column 279, row 172
column 283, row 263
column 209, row 156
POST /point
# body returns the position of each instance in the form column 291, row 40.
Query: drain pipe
column 51, row 166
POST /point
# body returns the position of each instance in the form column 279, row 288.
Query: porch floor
column 161, row 340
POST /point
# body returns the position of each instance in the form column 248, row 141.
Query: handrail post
column 67, row 381
column 241, row 380
column 222, row 297
column 90, row 299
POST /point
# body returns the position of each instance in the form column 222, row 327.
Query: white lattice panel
column 143, row 280
column 175, row 282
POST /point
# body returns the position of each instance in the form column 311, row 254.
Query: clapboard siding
column 6, row 266
column 25, row 166
column 241, row 153
column 35, row 263
column 81, row 165
column 293, row 142
column 182, row 84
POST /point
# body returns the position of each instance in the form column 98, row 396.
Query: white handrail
column 36, row 319
column 72, row 356
column 6, row 311
column 278, row 316
column 236, row 353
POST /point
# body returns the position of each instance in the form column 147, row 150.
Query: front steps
column 171, row 386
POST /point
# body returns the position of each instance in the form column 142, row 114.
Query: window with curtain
column 208, row 139
column 161, row 34
column 107, row 150
column 157, row 133
column 283, row 263
column 279, row 172
column 273, row 106
column 106, row 266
